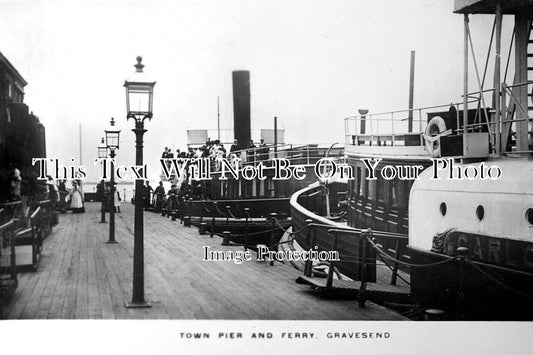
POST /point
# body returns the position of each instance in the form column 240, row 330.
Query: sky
column 312, row 63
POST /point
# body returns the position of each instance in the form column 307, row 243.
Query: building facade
column 22, row 136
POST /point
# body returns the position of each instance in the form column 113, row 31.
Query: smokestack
column 241, row 107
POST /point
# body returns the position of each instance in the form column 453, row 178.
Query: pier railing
column 8, row 274
column 253, row 208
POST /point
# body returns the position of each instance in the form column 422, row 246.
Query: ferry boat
column 462, row 225
column 235, row 197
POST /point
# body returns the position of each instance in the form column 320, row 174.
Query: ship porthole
column 480, row 212
column 443, row 208
column 529, row 215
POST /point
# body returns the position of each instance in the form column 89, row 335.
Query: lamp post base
column 137, row 305
column 111, row 242
column 102, row 222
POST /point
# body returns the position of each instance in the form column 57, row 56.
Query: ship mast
column 510, row 102
column 497, row 79
column 218, row 118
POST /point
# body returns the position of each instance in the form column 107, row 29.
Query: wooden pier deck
column 81, row 277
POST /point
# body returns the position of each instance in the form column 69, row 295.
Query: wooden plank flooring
column 81, row 277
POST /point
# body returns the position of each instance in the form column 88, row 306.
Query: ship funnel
column 363, row 113
column 241, row 107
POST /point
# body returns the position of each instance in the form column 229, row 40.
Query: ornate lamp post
column 102, row 154
column 139, row 97
column 112, row 137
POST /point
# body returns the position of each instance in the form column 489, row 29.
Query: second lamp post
column 112, row 135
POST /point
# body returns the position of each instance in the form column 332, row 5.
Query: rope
column 254, row 233
column 287, row 230
column 251, row 219
column 397, row 274
column 207, row 210
column 232, row 215
column 498, row 282
column 219, row 211
column 384, row 254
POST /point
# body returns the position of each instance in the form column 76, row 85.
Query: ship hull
column 469, row 289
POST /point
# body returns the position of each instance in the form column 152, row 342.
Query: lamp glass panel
column 139, row 97
column 112, row 139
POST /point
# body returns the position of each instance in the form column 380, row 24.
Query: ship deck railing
column 407, row 127
column 296, row 154
column 322, row 231
column 392, row 127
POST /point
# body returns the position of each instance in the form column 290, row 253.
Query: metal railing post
column 272, row 234
column 247, row 213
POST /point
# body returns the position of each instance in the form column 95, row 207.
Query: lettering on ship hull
column 497, row 251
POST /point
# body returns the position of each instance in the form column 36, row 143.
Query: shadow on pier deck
column 81, row 277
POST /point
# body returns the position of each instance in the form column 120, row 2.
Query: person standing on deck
column 147, row 191
column 116, row 199
column 159, row 194
column 63, row 194
column 15, row 185
column 100, row 192
column 52, row 191
column 76, row 200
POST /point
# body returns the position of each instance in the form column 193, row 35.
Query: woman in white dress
column 76, row 199
column 117, row 199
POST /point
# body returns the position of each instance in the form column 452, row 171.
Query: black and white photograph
column 193, row 176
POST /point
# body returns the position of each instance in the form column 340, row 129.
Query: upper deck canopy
column 489, row 6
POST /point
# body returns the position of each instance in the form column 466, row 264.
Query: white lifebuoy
column 435, row 129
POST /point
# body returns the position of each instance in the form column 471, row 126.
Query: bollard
column 361, row 294
column 228, row 208
column 434, row 314
column 186, row 221
column 273, row 216
column 174, row 215
column 202, row 228
column 331, row 268
column 212, row 231
column 310, row 239
column 190, row 211
column 226, row 235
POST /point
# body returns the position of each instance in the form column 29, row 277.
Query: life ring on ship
column 435, row 129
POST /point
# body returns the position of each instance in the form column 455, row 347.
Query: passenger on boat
column 262, row 151
column 250, row 152
column 234, row 147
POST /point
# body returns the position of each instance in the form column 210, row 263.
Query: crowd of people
column 63, row 198
column 215, row 151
